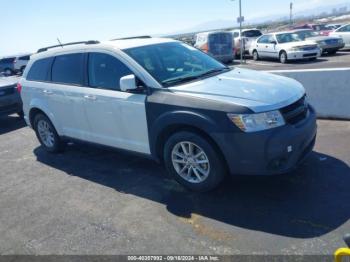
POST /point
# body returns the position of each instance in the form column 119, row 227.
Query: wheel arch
column 175, row 122
column 40, row 110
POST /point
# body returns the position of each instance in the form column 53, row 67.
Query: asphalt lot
column 92, row 200
column 340, row 60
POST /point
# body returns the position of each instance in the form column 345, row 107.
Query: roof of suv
column 116, row 44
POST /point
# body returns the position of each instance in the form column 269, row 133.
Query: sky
column 31, row 24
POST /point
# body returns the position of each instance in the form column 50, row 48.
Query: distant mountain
column 223, row 24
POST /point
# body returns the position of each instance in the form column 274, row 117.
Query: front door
column 116, row 118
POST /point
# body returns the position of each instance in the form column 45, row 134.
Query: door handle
column 90, row 97
column 47, row 92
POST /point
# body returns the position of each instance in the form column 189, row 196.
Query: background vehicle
column 171, row 102
column 21, row 62
column 218, row 44
column 333, row 26
column 248, row 37
column 284, row 46
column 14, row 64
column 343, row 32
column 321, row 28
column 7, row 65
column 10, row 100
column 328, row 44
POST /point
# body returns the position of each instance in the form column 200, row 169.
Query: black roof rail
column 90, row 42
column 133, row 37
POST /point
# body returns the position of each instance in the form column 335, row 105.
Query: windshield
column 252, row 33
column 288, row 37
column 174, row 63
column 305, row 34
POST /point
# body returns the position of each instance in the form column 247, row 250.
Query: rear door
column 262, row 46
column 66, row 94
column 116, row 118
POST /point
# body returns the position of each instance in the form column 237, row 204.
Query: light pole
column 291, row 14
column 240, row 19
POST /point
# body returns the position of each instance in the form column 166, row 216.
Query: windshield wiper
column 180, row 80
column 213, row 71
column 184, row 79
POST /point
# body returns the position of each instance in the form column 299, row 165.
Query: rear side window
column 24, row 58
column 252, row 33
column 39, row 70
column 105, row 71
column 68, row 69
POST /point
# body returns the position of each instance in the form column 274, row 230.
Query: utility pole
column 240, row 29
column 240, row 20
column 291, row 14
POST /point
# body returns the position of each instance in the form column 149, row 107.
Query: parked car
column 327, row 44
column 285, row 46
column 248, row 37
column 10, row 100
column 321, row 28
column 343, row 32
column 217, row 44
column 333, row 26
column 14, row 64
column 171, row 102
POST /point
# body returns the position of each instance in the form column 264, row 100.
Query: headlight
column 257, row 122
column 340, row 41
column 296, row 48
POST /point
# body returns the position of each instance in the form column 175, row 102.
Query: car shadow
column 11, row 123
column 307, row 203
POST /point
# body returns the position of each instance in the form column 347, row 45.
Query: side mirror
column 128, row 83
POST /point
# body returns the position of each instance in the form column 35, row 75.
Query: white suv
column 171, row 102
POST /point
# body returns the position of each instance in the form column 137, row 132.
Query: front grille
column 9, row 90
column 310, row 55
column 310, row 47
column 296, row 112
column 332, row 41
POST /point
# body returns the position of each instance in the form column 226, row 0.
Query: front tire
column 283, row 57
column 193, row 161
column 47, row 135
column 255, row 55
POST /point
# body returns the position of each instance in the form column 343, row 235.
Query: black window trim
column 48, row 73
column 69, row 84
column 138, row 79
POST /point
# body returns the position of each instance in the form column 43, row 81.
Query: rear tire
column 283, row 57
column 47, row 134
column 193, row 161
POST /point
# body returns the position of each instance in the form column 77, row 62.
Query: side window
column 105, row 71
column 271, row 39
column 68, row 69
column 264, row 39
column 24, row 58
column 39, row 70
column 235, row 34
